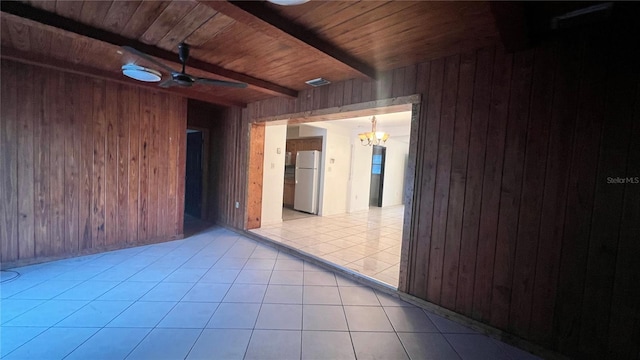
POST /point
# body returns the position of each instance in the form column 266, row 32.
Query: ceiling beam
column 56, row 64
column 261, row 18
column 57, row 21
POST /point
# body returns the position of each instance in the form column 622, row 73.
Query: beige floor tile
column 368, row 242
column 347, row 255
column 391, row 280
column 386, row 257
column 372, row 264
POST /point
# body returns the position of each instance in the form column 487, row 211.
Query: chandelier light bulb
column 373, row 137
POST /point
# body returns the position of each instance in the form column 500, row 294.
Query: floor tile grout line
column 59, row 321
column 4, row 321
column 395, row 331
column 159, row 321
column 344, row 313
column 54, row 325
column 381, row 225
column 451, row 345
column 138, row 300
column 256, row 320
column 258, row 316
column 200, row 334
column 193, row 283
column 35, row 336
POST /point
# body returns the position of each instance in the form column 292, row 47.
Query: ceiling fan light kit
column 179, row 78
column 288, row 2
column 141, row 73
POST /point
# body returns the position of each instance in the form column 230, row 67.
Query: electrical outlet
column 237, row 204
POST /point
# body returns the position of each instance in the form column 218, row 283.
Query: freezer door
column 306, row 192
column 307, row 159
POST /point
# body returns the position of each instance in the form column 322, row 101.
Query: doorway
column 366, row 240
column 377, row 175
column 193, row 180
column 196, row 174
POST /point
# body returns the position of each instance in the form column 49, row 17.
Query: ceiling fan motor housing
column 182, row 79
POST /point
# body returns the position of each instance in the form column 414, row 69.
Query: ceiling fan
column 181, row 78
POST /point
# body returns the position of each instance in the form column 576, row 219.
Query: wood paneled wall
column 86, row 164
column 517, row 220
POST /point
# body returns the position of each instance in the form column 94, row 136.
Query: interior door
column 377, row 175
column 193, row 180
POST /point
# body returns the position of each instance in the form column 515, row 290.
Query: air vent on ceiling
column 318, row 82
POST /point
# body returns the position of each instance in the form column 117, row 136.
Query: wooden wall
column 516, row 222
column 302, row 144
column 86, row 164
column 517, row 225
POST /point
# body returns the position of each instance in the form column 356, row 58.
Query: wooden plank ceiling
column 274, row 49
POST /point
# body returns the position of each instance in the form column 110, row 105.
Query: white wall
column 336, row 170
column 345, row 183
column 360, row 180
column 394, row 171
column 273, row 175
column 335, row 163
column 305, row 130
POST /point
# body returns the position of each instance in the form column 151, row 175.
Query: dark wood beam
column 512, row 24
column 267, row 21
column 56, row 64
column 57, row 21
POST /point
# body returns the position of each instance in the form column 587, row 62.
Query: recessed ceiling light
column 141, row 73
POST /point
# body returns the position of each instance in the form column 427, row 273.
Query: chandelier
column 373, row 137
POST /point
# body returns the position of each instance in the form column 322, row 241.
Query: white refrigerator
column 307, row 179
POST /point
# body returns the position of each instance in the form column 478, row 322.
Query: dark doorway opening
column 377, row 175
column 193, row 174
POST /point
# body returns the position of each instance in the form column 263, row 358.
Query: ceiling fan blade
column 167, row 83
column 219, row 82
column 148, row 58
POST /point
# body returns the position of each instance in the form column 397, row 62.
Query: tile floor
column 368, row 242
column 217, row 295
column 290, row 214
